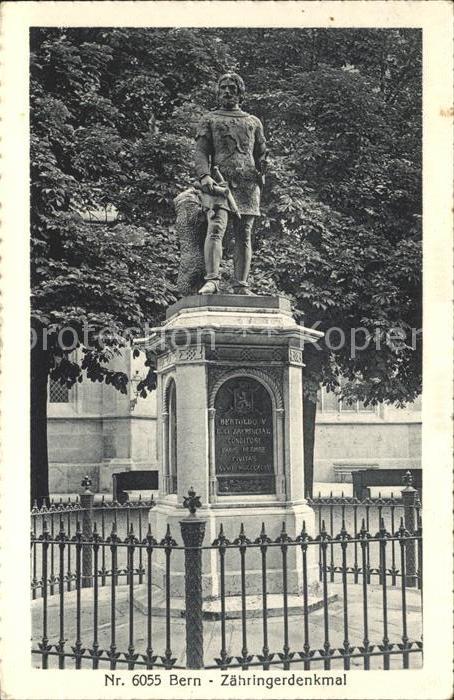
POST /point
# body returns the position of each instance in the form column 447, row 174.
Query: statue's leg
column 243, row 253
column 217, row 224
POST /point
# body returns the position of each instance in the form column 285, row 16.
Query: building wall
column 98, row 431
column 383, row 436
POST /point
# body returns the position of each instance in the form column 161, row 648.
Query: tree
column 95, row 101
column 112, row 116
column 341, row 234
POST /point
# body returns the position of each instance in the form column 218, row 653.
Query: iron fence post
column 410, row 502
column 87, row 498
column 193, row 532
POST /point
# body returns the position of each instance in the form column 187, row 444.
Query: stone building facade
column 95, row 430
column 351, row 437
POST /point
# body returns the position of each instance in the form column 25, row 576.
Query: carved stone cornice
column 238, row 353
column 295, row 356
column 186, row 355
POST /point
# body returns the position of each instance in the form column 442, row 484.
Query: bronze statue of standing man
column 230, row 151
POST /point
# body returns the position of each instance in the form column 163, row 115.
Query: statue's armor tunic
column 234, row 141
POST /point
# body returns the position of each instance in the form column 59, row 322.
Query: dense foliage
column 112, row 122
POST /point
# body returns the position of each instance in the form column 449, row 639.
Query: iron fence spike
column 408, row 478
column 303, row 540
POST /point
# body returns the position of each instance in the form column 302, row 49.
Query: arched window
column 171, row 446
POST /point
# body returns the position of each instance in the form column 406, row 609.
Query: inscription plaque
column 244, row 438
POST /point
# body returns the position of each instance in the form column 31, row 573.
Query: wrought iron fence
column 100, row 589
column 328, row 654
column 337, row 509
column 84, row 515
column 345, row 512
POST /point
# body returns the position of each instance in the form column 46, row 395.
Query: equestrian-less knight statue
column 230, row 163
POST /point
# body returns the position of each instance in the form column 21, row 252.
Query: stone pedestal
column 230, row 425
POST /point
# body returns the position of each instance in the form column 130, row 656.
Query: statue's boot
column 210, row 287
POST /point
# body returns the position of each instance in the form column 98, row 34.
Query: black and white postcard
column 226, row 350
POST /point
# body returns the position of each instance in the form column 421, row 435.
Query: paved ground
column 212, row 629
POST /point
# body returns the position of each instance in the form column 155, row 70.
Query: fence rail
column 85, row 577
column 86, row 515
column 351, row 513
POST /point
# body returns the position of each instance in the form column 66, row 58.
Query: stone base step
column 211, row 609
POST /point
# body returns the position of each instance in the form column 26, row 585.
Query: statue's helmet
column 238, row 80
